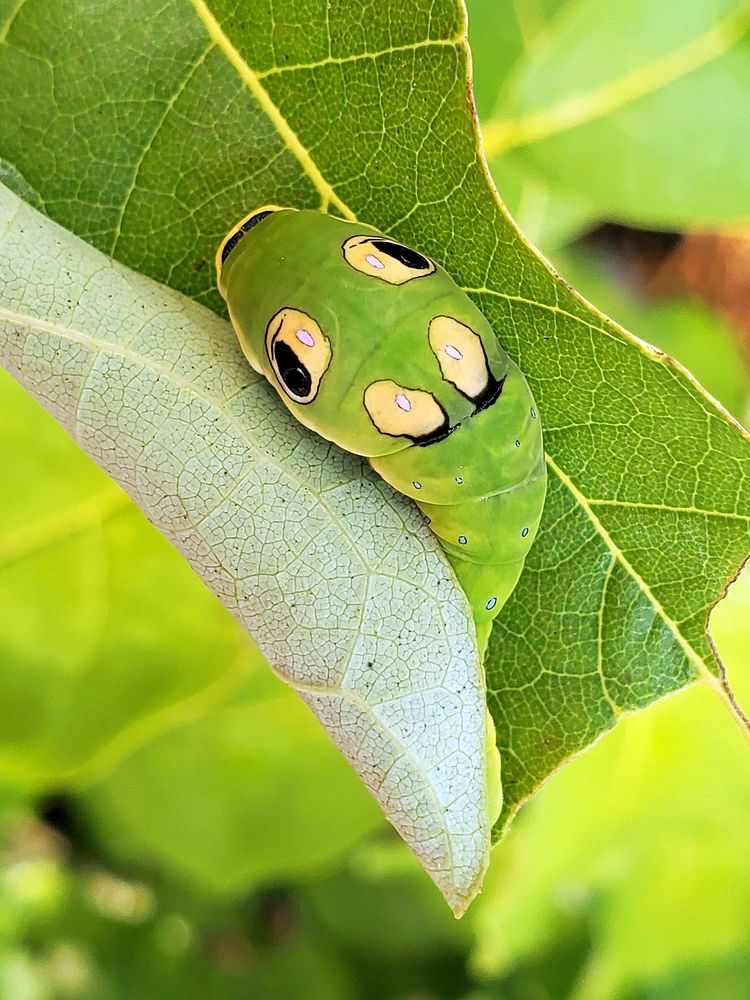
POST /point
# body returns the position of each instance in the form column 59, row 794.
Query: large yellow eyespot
column 382, row 258
column 461, row 356
column 402, row 412
column 238, row 232
column 299, row 353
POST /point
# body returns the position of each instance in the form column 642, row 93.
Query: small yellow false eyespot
column 385, row 259
column 299, row 353
column 460, row 354
column 402, row 412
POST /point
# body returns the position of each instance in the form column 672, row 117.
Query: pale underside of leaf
column 336, row 577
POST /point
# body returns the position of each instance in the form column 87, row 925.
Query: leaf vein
column 261, row 95
column 620, row 557
column 15, row 11
column 668, row 508
column 451, row 42
column 104, row 348
column 192, row 69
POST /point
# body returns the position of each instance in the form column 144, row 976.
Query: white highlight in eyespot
column 305, row 337
column 402, row 402
column 453, row 352
column 374, row 261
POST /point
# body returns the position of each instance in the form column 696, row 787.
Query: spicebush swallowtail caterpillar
column 374, row 346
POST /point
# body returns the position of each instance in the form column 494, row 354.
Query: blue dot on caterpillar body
column 491, row 603
column 524, row 533
column 462, row 539
column 416, row 485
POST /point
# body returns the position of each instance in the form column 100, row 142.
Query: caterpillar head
column 366, row 340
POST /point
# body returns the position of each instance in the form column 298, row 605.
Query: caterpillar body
column 373, row 345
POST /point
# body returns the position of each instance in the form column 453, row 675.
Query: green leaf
column 338, row 577
column 636, row 110
column 503, row 34
column 682, row 327
column 96, row 654
column 499, row 34
column 196, row 114
column 548, row 219
column 642, row 840
column 251, row 793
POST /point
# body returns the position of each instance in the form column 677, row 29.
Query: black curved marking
column 405, row 255
column 292, row 371
column 433, row 437
column 490, row 395
column 245, row 228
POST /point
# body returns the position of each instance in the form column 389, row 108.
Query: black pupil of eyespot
column 292, row 372
column 245, row 228
column 407, row 256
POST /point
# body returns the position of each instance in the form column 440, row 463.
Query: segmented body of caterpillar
column 374, row 346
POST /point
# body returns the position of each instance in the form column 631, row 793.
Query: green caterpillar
column 374, row 346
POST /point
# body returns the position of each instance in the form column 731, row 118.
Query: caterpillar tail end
column 483, row 634
column 487, row 587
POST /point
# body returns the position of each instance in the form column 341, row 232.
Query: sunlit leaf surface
column 180, row 117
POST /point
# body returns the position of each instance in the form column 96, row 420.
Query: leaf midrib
column 249, row 77
column 119, row 498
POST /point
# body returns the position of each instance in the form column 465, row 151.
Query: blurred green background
column 173, row 823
